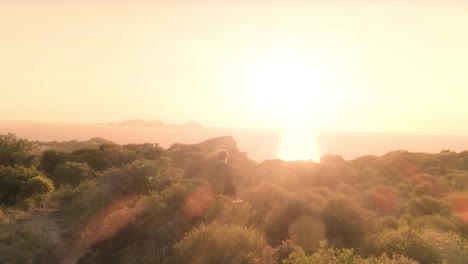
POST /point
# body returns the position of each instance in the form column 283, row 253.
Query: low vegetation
column 140, row 203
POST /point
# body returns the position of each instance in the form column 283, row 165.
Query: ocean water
column 260, row 144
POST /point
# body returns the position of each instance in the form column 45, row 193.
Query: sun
column 286, row 87
column 294, row 94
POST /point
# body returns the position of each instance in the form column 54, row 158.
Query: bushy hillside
column 143, row 204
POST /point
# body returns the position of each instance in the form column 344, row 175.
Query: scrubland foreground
column 99, row 202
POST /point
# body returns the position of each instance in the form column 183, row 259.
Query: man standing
column 222, row 180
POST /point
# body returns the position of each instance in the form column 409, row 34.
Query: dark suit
column 222, row 180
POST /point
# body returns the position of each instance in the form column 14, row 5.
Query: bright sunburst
column 293, row 93
column 285, row 86
column 299, row 144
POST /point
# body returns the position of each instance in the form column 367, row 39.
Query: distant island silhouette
column 137, row 122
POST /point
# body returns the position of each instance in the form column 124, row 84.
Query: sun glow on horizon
column 286, row 87
column 297, row 96
column 299, row 144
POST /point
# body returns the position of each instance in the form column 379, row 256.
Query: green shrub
column 111, row 156
column 297, row 220
column 323, row 256
column 344, row 222
column 405, row 241
column 35, row 193
column 37, row 185
column 387, row 222
column 447, row 246
column 343, row 256
column 424, row 188
column 106, row 156
column 13, row 180
column 330, row 174
column 382, row 199
column 224, row 211
column 18, row 246
column 423, row 245
column 141, row 177
column 159, row 220
column 437, row 222
column 74, row 202
column 286, row 248
column 262, row 198
column 49, row 161
column 384, row 259
column 114, row 186
column 15, row 151
column 427, row 205
column 404, row 190
column 72, row 173
column 170, row 205
column 219, row 244
column 146, row 151
column 457, row 179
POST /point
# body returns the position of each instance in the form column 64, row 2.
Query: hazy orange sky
column 368, row 65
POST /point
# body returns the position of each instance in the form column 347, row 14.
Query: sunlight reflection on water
column 299, row 144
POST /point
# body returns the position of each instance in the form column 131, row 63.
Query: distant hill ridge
column 260, row 144
column 154, row 123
